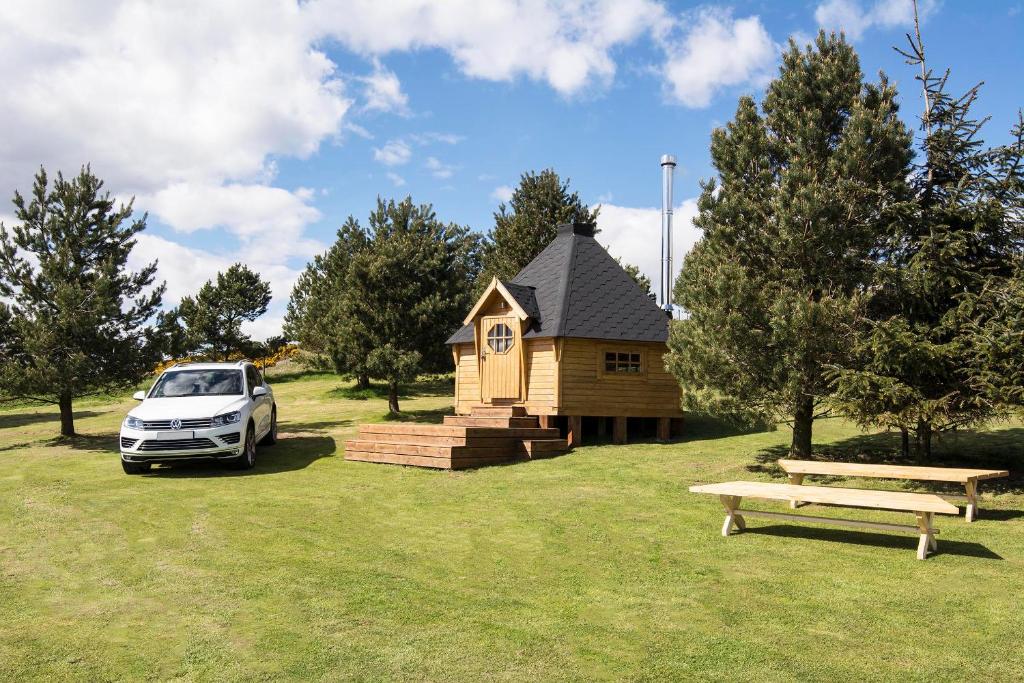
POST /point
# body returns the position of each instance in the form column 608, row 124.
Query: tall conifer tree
column 790, row 229
column 529, row 222
column 79, row 320
column 942, row 347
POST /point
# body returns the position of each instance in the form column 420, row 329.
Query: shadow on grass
column 698, row 427
column 291, row 426
column 289, row 454
column 1001, row 449
column 8, row 420
column 427, row 416
column 907, row 543
column 431, row 385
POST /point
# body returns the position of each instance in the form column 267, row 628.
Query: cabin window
column 622, row 362
column 500, row 338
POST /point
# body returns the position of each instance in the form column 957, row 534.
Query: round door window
column 500, row 338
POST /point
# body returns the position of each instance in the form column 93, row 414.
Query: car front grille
column 165, row 425
column 177, row 445
column 127, row 443
column 230, row 438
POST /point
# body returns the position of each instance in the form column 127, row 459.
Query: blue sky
column 249, row 131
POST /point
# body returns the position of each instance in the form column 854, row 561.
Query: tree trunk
column 67, row 415
column 362, row 381
column 904, row 443
column 393, row 398
column 924, row 440
column 803, row 422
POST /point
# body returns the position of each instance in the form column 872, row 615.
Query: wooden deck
column 490, row 436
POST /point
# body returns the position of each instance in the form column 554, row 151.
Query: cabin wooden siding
column 588, row 390
column 540, row 377
column 575, row 383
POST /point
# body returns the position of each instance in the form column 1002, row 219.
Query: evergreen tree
column 77, row 321
column 789, row 234
column 529, row 222
column 407, row 290
column 942, row 349
column 213, row 317
column 314, row 316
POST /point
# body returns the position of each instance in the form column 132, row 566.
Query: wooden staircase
column 489, row 435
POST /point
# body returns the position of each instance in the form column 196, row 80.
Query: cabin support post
column 664, row 428
column 602, row 426
column 546, row 421
column 619, row 430
column 575, row 430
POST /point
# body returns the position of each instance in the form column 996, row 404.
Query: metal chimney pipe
column 668, row 165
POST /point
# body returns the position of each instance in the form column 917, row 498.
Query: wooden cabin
column 570, row 341
column 570, row 337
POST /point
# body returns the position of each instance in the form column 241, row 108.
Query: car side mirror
column 259, row 391
column 139, row 395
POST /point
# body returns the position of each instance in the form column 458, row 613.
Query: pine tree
column 213, row 317
column 947, row 282
column 789, row 233
column 78, row 319
column 314, row 316
column 529, row 222
column 407, row 290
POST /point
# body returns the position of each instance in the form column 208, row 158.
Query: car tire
column 270, row 438
column 135, row 468
column 247, row 460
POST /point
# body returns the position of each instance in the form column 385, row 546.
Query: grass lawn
column 595, row 565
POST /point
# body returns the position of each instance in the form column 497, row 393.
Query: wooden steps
column 498, row 411
column 491, row 435
column 489, row 421
column 533, row 449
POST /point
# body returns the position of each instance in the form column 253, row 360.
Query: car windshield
column 198, row 383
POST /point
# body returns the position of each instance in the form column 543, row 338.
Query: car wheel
column 270, row 438
column 135, row 468
column 247, row 460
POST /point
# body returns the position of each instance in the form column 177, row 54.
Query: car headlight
column 227, row 418
column 133, row 423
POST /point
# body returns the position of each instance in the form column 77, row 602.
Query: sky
column 248, row 130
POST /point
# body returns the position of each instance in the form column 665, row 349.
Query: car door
column 261, row 404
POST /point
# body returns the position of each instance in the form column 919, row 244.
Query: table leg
column 795, row 480
column 927, row 541
column 731, row 505
column 972, row 499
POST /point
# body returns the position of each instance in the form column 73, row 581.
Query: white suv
column 200, row 411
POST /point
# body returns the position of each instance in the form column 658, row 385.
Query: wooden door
column 499, row 358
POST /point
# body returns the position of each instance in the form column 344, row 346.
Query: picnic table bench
column 970, row 478
column 923, row 505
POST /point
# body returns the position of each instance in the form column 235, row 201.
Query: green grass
column 595, row 565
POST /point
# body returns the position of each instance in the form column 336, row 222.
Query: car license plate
column 174, row 436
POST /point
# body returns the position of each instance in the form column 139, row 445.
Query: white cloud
column 634, row 235
column 717, row 51
column 396, row 179
column 383, row 91
column 438, row 169
column 568, row 45
column 257, row 214
column 160, row 92
column 393, row 153
column 502, row 193
column 185, row 269
column 854, row 18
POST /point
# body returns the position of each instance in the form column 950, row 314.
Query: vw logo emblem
column 175, row 424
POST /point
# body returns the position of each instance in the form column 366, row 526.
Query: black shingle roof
column 579, row 290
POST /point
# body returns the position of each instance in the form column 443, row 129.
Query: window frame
column 509, row 339
column 641, row 363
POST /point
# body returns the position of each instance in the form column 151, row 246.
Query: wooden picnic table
column 923, row 505
column 969, row 478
